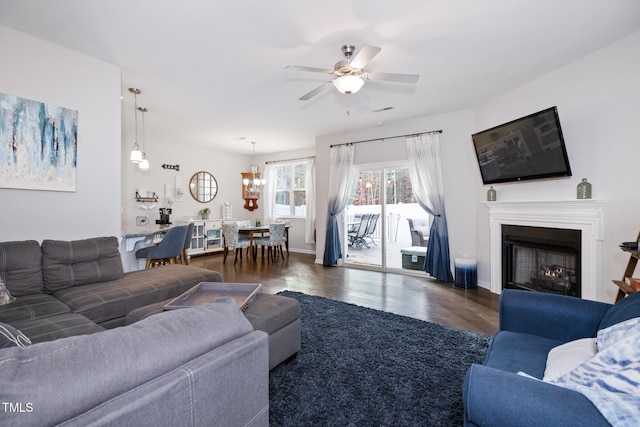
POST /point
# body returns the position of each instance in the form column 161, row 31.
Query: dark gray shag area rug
column 364, row 367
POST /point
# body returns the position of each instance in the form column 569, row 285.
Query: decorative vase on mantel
column 584, row 189
column 491, row 194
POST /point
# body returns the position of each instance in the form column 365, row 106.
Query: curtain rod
column 386, row 137
column 290, row 160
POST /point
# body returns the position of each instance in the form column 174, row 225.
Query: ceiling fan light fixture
column 348, row 84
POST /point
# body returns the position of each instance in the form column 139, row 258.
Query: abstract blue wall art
column 38, row 145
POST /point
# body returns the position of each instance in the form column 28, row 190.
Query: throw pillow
column 611, row 381
column 11, row 337
column 566, row 357
column 608, row 336
column 5, row 295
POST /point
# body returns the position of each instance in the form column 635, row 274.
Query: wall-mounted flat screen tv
column 530, row 147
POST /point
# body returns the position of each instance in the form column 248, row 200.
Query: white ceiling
column 212, row 72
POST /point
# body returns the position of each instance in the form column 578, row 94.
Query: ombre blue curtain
column 425, row 171
column 340, row 177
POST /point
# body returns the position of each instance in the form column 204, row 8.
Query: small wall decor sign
column 38, row 145
column 173, row 167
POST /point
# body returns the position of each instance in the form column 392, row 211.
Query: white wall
column 41, row 71
column 225, row 167
column 597, row 99
column 458, row 168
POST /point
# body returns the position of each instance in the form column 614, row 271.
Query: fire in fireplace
column 541, row 259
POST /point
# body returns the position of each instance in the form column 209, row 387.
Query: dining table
column 260, row 230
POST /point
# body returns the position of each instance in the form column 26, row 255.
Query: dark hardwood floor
column 422, row 298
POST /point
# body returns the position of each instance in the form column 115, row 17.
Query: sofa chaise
column 204, row 366
column 535, row 372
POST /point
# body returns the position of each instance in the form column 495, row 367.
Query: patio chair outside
column 419, row 229
column 356, row 238
column 371, row 228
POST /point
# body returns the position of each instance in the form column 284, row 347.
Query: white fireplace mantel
column 583, row 215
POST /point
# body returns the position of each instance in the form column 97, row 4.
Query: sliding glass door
column 364, row 246
column 379, row 218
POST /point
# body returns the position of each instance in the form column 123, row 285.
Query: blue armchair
column 531, row 324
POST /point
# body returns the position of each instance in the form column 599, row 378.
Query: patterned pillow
column 5, row 295
column 11, row 337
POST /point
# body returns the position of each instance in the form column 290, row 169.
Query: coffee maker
column 165, row 217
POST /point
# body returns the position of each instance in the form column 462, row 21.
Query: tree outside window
column 369, row 188
column 291, row 194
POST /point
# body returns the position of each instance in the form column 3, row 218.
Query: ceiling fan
column 349, row 73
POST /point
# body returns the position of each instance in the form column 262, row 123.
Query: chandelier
column 252, row 184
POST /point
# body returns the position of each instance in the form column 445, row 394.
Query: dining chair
column 242, row 224
column 168, row 250
column 275, row 240
column 231, row 241
column 184, row 258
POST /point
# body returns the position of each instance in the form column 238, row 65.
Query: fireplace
column 584, row 216
column 541, row 259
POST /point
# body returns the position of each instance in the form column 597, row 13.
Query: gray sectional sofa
column 66, row 288
column 202, row 366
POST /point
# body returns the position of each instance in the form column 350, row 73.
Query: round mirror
column 203, row 187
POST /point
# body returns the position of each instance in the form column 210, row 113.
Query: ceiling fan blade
column 393, row 77
column 312, row 69
column 314, row 92
column 364, row 55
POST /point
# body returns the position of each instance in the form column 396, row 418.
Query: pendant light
column 144, row 163
column 136, row 154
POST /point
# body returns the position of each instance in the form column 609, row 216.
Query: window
column 291, row 194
